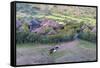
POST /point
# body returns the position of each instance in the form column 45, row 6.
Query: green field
column 73, row 51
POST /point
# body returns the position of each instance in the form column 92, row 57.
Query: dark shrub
column 89, row 36
column 28, row 37
column 21, row 37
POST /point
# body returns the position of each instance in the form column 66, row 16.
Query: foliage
column 26, row 37
column 88, row 35
column 25, row 27
column 71, row 17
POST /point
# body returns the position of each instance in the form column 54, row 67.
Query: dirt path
column 68, row 45
column 74, row 53
column 67, row 52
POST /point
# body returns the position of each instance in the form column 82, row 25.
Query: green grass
column 37, row 49
column 62, row 18
column 83, row 44
column 27, row 45
column 34, row 45
column 86, row 44
column 58, row 54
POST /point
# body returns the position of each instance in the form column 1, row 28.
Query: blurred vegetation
column 26, row 37
column 88, row 36
column 72, row 17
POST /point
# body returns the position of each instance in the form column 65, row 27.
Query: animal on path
column 52, row 50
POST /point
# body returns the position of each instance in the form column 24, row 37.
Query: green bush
column 27, row 37
column 89, row 36
column 63, row 35
column 32, row 37
column 21, row 37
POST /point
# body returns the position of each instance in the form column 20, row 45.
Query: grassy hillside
column 40, row 28
column 72, row 18
column 56, row 12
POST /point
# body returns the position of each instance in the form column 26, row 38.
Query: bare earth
column 67, row 52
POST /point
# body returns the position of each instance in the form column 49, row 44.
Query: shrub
column 27, row 37
column 25, row 27
column 21, row 37
column 89, row 36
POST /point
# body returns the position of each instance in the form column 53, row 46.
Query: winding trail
column 68, row 45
